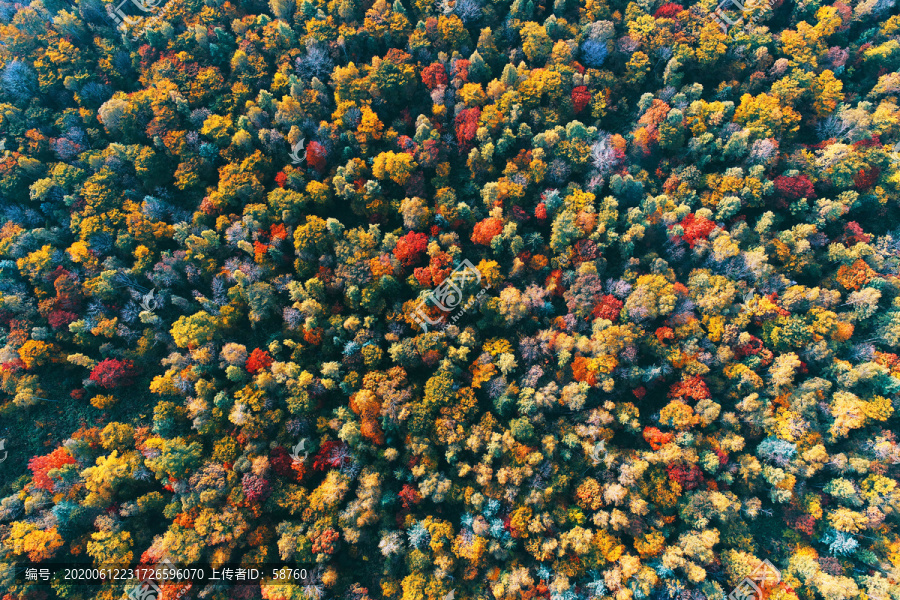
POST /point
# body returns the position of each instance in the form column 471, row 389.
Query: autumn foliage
column 113, row 373
column 513, row 300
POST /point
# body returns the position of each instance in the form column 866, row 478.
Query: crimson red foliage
column 61, row 318
column 467, row 127
column 282, row 462
column 866, row 178
column 256, row 489
column 316, row 156
column 331, row 455
column 428, row 153
column 409, row 495
column 41, row 465
column 794, row 188
column 423, row 276
column 750, row 348
column 668, row 11
column 695, row 229
column 540, row 211
column 608, row 308
column 854, row 234
column 439, row 267
column 723, row 456
column 434, row 76
column 112, row 373
column 410, row 247
column 805, row 524
column 280, row 179
column 461, row 69
column 581, row 97
column 871, row 142
column 687, row 477
column 258, row 360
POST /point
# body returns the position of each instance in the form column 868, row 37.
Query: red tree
column 285, row 466
column 332, row 455
column 434, row 76
column 256, row 489
column 466, row 127
column 866, row 178
column 794, row 188
column 581, row 97
column 656, row 438
column 258, row 360
column 688, row 477
column 693, row 387
column 854, row 234
column 668, row 11
column 61, row 318
column 316, row 156
column 695, row 228
column 41, row 465
column 409, row 495
column 461, row 69
column 486, row 230
column 112, row 373
column 410, row 248
column 608, row 308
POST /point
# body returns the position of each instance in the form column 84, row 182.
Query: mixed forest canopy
column 675, row 354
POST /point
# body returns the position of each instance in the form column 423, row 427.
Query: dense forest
column 492, row 300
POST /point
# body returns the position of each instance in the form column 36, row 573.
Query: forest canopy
column 570, row 300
